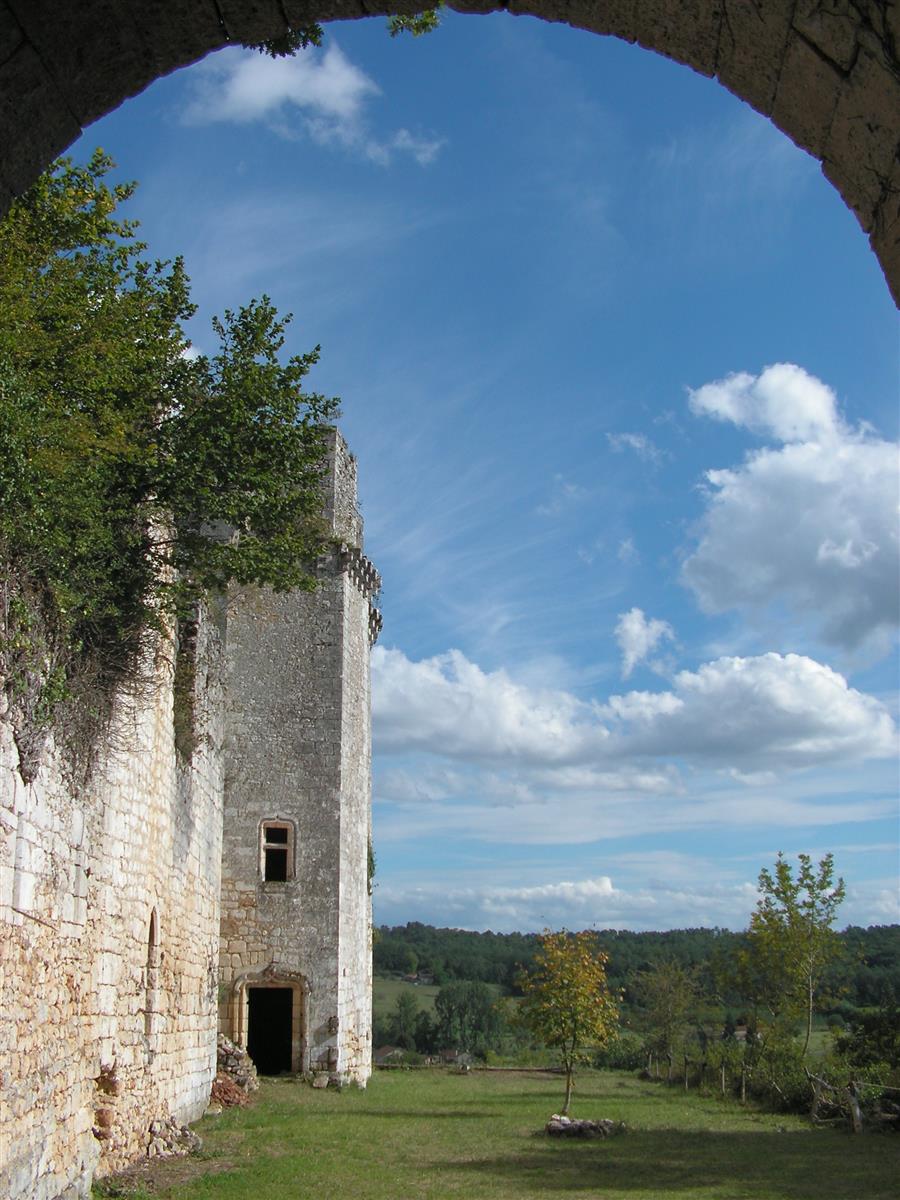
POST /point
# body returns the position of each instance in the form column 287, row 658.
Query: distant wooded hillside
column 868, row 972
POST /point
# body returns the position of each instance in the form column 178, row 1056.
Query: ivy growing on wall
column 135, row 477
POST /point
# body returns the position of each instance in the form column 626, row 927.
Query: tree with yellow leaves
column 566, row 1001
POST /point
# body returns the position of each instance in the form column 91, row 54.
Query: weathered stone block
column 252, row 20
column 94, row 52
column 832, row 26
column 752, row 43
column 178, row 33
column 11, row 35
column 685, row 30
column 885, row 236
column 30, row 100
column 807, row 95
column 864, row 133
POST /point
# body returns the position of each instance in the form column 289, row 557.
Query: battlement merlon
column 340, row 495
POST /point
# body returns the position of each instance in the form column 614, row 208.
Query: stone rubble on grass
column 559, row 1126
column 168, row 1139
column 226, row 1094
column 231, row 1060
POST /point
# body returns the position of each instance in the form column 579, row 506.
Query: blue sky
column 621, row 374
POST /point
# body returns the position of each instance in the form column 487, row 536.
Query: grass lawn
column 430, row 1135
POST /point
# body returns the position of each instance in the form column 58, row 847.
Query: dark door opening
column 270, row 1029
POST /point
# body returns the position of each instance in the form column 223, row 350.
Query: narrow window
column 277, row 860
column 151, row 975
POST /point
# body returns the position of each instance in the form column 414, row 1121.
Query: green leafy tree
column 134, row 477
column 872, row 1036
column 566, row 1001
column 791, row 941
column 416, row 24
column 425, row 1034
column 299, row 37
column 403, row 1021
column 668, row 994
column 466, row 1017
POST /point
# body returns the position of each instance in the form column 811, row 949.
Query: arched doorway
column 268, row 1014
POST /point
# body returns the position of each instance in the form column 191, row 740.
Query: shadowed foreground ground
column 430, row 1134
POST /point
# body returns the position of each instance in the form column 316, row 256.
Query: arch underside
column 825, row 71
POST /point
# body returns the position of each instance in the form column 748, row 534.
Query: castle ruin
column 184, row 890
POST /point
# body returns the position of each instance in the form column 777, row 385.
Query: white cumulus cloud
column 783, row 401
column 638, row 637
column 242, row 86
column 811, row 523
column 450, row 706
column 318, row 92
column 766, row 712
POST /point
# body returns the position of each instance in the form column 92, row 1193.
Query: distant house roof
column 451, row 1055
column 384, row 1053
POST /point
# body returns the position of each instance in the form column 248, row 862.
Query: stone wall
column 109, row 903
column 299, row 756
column 110, row 918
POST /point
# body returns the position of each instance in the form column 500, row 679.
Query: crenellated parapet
column 363, row 573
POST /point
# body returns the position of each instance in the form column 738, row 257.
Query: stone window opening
column 277, row 851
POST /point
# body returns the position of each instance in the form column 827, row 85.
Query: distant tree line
column 448, row 954
column 863, row 976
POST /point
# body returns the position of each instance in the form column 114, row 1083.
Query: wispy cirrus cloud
column 627, row 552
column 564, row 494
column 712, row 172
column 637, row 443
column 315, row 93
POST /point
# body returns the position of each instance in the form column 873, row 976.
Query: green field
column 431, row 1135
column 386, row 991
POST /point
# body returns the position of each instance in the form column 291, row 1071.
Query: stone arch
column 825, row 71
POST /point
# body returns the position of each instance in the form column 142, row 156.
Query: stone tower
column 295, row 951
